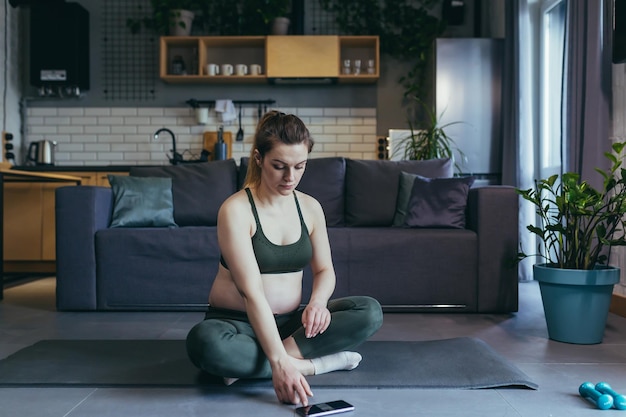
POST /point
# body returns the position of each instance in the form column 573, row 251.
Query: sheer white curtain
column 520, row 113
column 552, row 22
column 551, row 126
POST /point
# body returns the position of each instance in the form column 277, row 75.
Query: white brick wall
column 124, row 136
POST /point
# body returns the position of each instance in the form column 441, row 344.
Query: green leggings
column 224, row 344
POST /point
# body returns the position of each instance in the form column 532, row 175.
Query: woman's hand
column 315, row 319
column 290, row 385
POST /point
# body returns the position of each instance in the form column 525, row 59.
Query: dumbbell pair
column 602, row 396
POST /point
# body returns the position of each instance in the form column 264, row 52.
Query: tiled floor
column 27, row 314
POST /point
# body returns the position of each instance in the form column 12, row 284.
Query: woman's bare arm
column 316, row 317
column 235, row 244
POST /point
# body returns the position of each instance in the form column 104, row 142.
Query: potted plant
column 429, row 142
column 275, row 14
column 578, row 226
column 168, row 17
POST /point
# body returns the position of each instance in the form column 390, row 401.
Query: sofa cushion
column 156, row 269
column 401, row 267
column 141, row 202
column 198, row 189
column 438, row 202
column 372, row 187
column 243, row 170
column 323, row 179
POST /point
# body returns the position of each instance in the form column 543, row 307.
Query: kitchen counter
column 16, row 175
column 72, row 168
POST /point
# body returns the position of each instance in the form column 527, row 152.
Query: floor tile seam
column 503, row 398
column 524, row 363
column 584, row 363
column 82, row 401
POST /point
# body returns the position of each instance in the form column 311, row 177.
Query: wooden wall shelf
column 280, row 57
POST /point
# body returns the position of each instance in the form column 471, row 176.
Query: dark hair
column 275, row 127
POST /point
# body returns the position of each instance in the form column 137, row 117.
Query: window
column 552, row 41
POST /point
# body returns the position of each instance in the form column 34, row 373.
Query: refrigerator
column 468, row 90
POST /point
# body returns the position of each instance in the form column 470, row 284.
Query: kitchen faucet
column 176, row 157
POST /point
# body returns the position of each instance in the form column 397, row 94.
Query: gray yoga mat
column 461, row 363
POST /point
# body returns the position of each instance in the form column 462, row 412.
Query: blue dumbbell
column 588, row 391
column 619, row 401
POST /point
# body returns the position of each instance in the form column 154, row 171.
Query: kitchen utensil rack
column 262, row 104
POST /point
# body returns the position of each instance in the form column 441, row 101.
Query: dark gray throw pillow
column 324, row 179
column 404, row 194
column 141, row 202
column 372, row 187
column 438, row 202
column 198, row 189
column 242, row 171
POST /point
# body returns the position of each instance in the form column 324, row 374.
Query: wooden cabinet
column 29, row 221
column 22, row 221
column 197, row 52
column 102, row 178
column 324, row 57
column 280, row 57
column 364, row 49
column 302, row 56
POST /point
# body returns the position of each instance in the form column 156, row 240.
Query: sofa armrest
column 80, row 212
column 492, row 212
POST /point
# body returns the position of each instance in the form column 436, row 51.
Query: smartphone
column 325, row 409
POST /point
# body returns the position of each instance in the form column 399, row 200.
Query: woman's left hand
column 315, row 319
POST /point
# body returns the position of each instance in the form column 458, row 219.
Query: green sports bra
column 279, row 259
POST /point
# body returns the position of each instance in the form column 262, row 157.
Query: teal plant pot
column 576, row 302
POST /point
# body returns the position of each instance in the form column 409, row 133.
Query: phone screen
column 325, row 409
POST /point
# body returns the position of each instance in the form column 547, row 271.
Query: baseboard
column 618, row 305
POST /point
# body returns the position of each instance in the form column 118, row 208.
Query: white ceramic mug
column 212, row 69
column 346, row 67
column 255, row 69
column 241, row 69
column 227, row 69
column 202, row 115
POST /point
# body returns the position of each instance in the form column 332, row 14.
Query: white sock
column 230, row 381
column 341, row 361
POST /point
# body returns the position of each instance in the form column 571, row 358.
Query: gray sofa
column 442, row 269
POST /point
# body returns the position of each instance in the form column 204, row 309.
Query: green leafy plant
column 215, row 17
column 257, row 15
column 430, row 141
column 271, row 9
column 163, row 11
column 578, row 223
column 406, row 30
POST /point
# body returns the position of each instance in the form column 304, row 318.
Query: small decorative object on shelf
column 346, row 67
column 178, row 66
column 357, row 67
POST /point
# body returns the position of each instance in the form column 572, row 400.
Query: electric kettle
column 41, row 152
